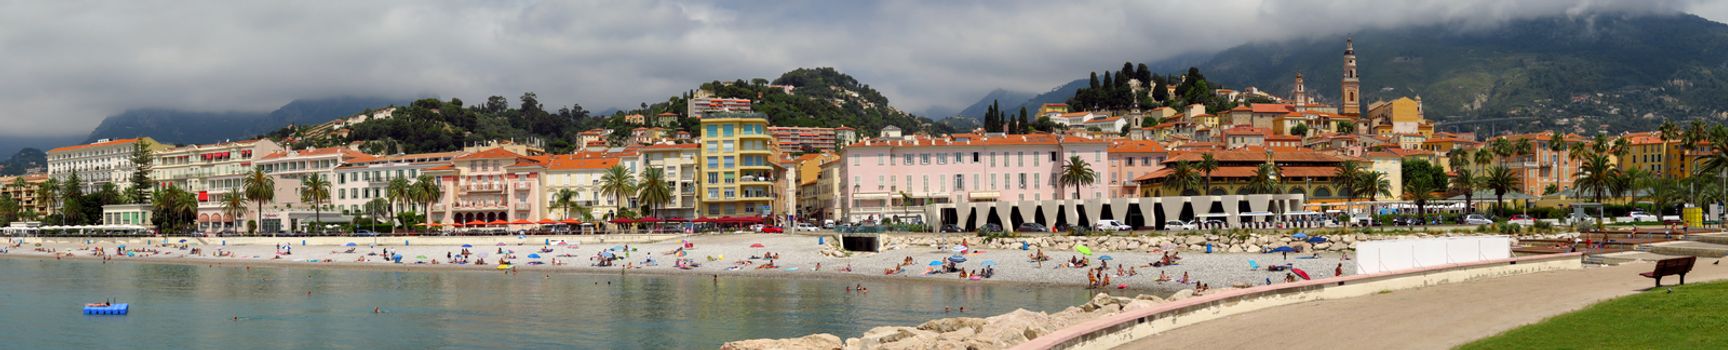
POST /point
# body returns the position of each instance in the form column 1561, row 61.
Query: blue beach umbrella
column 618, row 248
column 1299, row 235
column 1284, row 249
column 988, row 263
column 606, row 254
column 467, row 245
column 957, row 259
column 350, row 244
column 1106, row 258
column 182, row 241
column 935, row 263
column 534, row 256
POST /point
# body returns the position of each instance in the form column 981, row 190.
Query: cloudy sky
column 66, row 64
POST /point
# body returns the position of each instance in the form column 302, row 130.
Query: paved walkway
column 1438, row 317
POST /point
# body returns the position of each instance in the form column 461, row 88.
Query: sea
column 182, row 306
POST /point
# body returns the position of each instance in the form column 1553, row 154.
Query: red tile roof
column 1271, row 108
column 574, row 162
column 91, row 145
column 490, row 153
column 1136, row 146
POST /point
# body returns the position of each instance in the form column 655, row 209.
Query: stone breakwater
column 1220, row 242
column 994, row 332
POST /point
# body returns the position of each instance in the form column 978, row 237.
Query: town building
column 491, row 189
column 580, row 175
column 737, row 171
column 677, row 162
column 210, row 172
column 1352, row 84
column 810, row 168
column 1300, row 171
column 289, row 169
column 22, row 190
column 812, row 139
column 893, row 177
column 1128, row 160
column 362, row 181
column 700, row 107
column 105, row 161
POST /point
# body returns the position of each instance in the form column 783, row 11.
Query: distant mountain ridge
column 189, row 127
column 1576, row 73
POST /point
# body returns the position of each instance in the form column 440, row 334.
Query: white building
column 210, row 172
column 104, row 161
column 289, row 169
column 359, row 182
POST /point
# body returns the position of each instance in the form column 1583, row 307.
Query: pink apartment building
column 494, row 188
column 895, row 178
column 1129, row 159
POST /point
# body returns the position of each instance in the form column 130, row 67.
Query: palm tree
column 1076, row 173
column 173, row 209
column 1625, row 183
column 1265, row 181
column 1207, row 165
column 1419, row 190
column 1182, row 178
column 1465, row 182
column 1716, row 162
column 48, row 192
column 566, row 199
column 1595, row 174
column 259, row 188
column 233, row 206
column 425, row 191
column 314, row 191
column 1557, row 145
column 617, row 182
column 1501, row 148
column 398, row 190
column 1501, row 180
column 1347, row 178
column 1484, row 156
column 1374, row 184
column 655, row 191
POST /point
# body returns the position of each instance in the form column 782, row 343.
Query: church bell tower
column 1352, row 90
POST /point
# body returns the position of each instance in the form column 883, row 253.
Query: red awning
column 476, row 223
column 571, row 221
column 547, row 222
column 500, row 222
column 622, row 221
column 648, row 220
column 704, row 219
column 521, row 222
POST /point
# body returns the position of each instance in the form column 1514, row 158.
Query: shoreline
column 583, row 270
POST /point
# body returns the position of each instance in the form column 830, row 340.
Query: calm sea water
column 192, row 307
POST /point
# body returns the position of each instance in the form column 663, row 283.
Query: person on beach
column 1184, row 279
column 1338, row 271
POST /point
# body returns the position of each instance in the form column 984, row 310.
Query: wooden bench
column 1671, row 267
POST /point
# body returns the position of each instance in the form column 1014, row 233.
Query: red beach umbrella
column 1299, row 272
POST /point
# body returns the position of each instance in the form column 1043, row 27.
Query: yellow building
column 1400, row 116
column 1651, row 153
column 737, row 165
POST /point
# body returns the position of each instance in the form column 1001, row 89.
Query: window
column 924, row 159
column 926, row 187
column 713, row 162
column 959, row 182
column 974, row 157
column 713, row 147
column 726, row 130
column 1129, row 161
column 879, row 182
column 907, row 160
column 1022, row 181
column 728, row 162
column 713, row 177
column 959, row 158
column 1054, row 157
column 881, row 158
column 1020, row 159
column 992, row 182
column 941, row 159
column 992, row 159
column 1035, row 183
column 726, row 146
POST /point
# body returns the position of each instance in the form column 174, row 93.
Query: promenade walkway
column 1437, row 317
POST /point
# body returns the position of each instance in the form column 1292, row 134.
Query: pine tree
column 1025, row 124
column 141, row 160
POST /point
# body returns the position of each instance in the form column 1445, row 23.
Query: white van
column 1112, row 225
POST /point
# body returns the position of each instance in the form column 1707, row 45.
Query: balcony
column 480, row 206
column 523, row 185
column 438, row 207
column 483, row 187
column 520, row 206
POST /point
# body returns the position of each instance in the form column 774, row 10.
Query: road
column 1438, row 317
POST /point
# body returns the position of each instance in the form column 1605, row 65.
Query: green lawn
column 1694, row 316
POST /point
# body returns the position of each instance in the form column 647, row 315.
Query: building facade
column 737, row 169
column 894, row 178
column 359, row 182
column 678, row 164
column 490, row 188
column 102, row 162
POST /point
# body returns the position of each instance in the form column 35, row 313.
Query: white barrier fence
column 1400, row 254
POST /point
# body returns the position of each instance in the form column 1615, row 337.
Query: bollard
column 404, row 242
column 302, row 242
column 821, row 240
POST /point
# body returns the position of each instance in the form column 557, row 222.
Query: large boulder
column 1182, row 294
column 880, row 336
column 813, row 341
column 1102, row 301
column 1015, row 327
column 946, row 325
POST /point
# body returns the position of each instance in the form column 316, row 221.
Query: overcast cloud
column 66, row 64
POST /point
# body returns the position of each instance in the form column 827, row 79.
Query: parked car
column 1031, row 227
column 807, row 227
column 1112, row 225
column 773, row 229
column 951, row 228
column 1178, row 225
column 365, row 233
column 990, row 228
column 1477, row 219
column 1641, row 216
column 1576, row 218
column 1522, row 219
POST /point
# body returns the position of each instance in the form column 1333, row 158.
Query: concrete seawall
column 1116, row 330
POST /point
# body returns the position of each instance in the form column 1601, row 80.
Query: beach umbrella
column 1083, row 249
column 350, row 244
column 1316, row 240
column 617, row 248
column 1106, row 258
column 959, row 248
column 1284, row 249
column 503, row 266
column 1299, row 272
column 988, row 263
column 182, row 241
column 935, row 263
column 606, row 254
column 1299, row 235
column 957, row 259
column 758, row 245
column 533, row 255
column 560, row 242
column 421, row 257
column 500, row 244
column 467, row 245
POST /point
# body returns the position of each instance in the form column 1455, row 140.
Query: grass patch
column 1691, row 317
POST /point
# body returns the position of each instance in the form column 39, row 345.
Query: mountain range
column 188, row 127
column 1584, row 73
